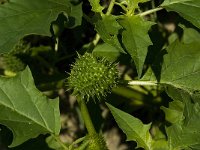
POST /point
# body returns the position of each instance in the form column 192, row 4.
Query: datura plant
column 154, row 102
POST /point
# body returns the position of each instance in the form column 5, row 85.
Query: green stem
column 96, row 39
column 149, row 11
column 133, row 82
column 56, row 44
column 110, row 7
column 86, row 116
column 76, row 142
column 121, row 5
column 87, row 18
column 129, row 93
column 154, row 16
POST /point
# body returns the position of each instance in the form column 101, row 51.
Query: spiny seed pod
column 92, row 77
column 12, row 63
column 97, row 142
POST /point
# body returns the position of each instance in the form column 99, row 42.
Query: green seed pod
column 92, row 77
column 97, row 142
column 12, row 63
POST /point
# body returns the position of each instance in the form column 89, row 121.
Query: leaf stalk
column 110, row 7
column 152, row 83
column 149, row 11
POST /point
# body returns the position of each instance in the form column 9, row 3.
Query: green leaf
column 25, row 110
column 136, row 39
column 186, row 132
column 21, row 17
column 96, row 7
column 75, row 18
column 105, row 50
column 188, row 9
column 180, row 66
column 108, row 29
column 190, row 35
column 134, row 129
column 174, row 113
column 160, row 145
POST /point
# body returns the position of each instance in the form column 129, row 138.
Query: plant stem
column 110, row 7
column 143, row 83
column 86, row 116
column 56, row 44
column 154, row 16
column 150, row 11
column 76, row 142
column 128, row 93
column 96, row 39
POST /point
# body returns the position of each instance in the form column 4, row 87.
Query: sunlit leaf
column 134, row 129
column 21, row 17
column 188, row 9
column 136, row 39
column 25, row 110
column 180, row 66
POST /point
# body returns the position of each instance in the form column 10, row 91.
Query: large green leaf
column 184, row 133
column 181, row 65
column 21, row 17
column 133, row 128
column 25, row 110
column 136, row 39
column 108, row 28
column 188, row 9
